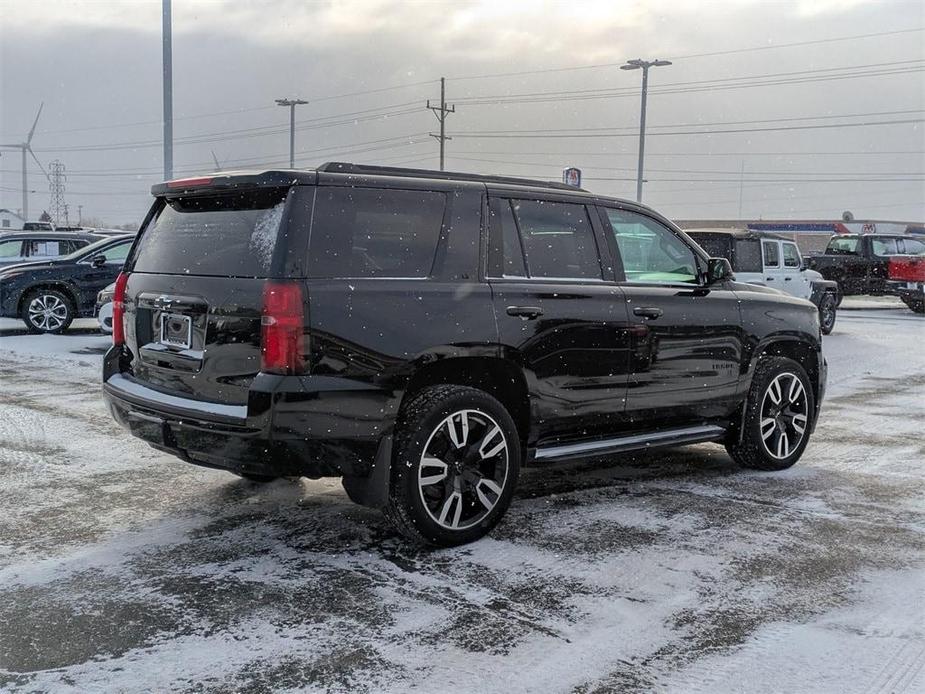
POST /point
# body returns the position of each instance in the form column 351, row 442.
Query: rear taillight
column 118, row 309
column 282, row 324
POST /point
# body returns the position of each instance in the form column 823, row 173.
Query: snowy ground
column 122, row 569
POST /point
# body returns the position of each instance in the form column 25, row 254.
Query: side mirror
column 718, row 270
column 98, row 261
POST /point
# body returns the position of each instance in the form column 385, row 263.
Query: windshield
column 843, row 245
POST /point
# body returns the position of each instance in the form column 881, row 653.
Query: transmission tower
column 56, row 186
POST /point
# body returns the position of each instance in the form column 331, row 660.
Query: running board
column 671, row 437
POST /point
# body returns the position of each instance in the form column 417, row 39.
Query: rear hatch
column 195, row 291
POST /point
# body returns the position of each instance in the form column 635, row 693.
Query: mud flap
column 373, row 490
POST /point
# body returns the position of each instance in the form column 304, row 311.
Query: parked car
column 907, row 280
column 103, row 310
column 425, row 334
column 772, row 261
column 49, row 295
column 35, row 246
column 859, row 263
column 38, row 226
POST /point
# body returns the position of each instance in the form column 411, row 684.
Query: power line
column 686, row 57
column 235, row 111
column 707, row 171
column 726, row 83
column 243, row 133
column 579, row 133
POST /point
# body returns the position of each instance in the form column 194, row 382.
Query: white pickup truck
column 771, row 261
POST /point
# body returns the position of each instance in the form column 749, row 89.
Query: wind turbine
column 27, row 147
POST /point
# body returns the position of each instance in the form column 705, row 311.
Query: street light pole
column 291, row 103
column 167, row 66
column 643, row 65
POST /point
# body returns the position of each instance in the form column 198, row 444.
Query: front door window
column 650, row 252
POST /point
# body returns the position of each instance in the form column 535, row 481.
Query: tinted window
column 558, row 240
column 791, row 255
column 10, row 249
column 651, row 252
column 845, row 245
column 225, row 235
column 507, row 256
column 715, row 245
column 369, row 232
column 913, row 246
column 883, row 246
column 771, row 254
column 748, row 256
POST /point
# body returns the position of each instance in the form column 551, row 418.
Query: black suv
column 424, row 335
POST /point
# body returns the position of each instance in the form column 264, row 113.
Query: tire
column 827, row 311
column 768, row 422
column 256, row 479
column 918, row 306
column 47, row 311
column 466, row 483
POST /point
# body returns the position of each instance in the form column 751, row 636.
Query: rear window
column 372, row 232
column 224, row 235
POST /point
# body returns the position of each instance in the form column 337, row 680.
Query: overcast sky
column 97, row 67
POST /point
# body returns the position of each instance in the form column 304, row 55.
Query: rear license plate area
column 176, row 330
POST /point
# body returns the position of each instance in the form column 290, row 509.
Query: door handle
column 528, row 312
column 650, row 312
column 769, row 279
column 787, row 279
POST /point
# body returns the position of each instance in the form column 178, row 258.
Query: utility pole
column 291, row 103
column 741, row 187
column 442, row 111
column 643, row 65
column 168, row 92
column 80, row 215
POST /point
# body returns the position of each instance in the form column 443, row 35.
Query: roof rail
column 367, row 170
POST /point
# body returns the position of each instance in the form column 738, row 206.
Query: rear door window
column 771, row 254
column 40, row 248
column 884, row 247
column 506, row 255
column 223, row 235
column 558, row 240
column 374, row 232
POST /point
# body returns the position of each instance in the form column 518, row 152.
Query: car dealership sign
column 572, row 177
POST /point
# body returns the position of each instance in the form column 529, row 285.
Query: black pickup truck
column 860, row 263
